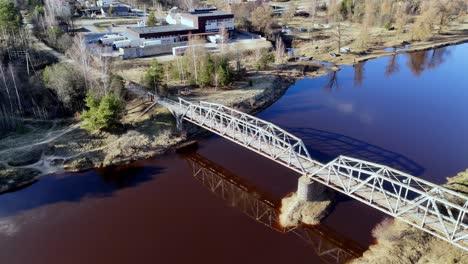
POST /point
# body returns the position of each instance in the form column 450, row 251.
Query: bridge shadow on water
column 75, row 187
column 263, row 208
column 326, row 146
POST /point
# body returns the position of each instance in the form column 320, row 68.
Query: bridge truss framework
column 427, row 206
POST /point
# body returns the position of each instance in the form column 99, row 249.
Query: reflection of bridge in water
column 432, row 208
column 261, row 207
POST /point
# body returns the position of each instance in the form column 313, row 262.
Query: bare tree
column 20, row 105
column 79, row 52
column 386, row 11
column 312, row 9
column 262, row 18
column 370, row 11
column 424, row 24
column 195, row 53
column 224, row 37
column 288, row 14
column 6, row 87
column 188, row 4
column 279, row 49
column 338, row 34
column 448, row 11
column 363, row 37
column 401, row 19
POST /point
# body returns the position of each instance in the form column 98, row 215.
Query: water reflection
column 263, row 208
column 358, row 73
column 420, row 61
column 325, row 146
column 75, row 187
column 392, row 66
column 332, row 83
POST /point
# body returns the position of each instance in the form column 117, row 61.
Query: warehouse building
column 199, row 21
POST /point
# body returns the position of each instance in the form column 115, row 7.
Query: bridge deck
column 431, row 208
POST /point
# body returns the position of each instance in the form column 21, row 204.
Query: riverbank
column 381, row 42
column 51, row 147
column 398, row 242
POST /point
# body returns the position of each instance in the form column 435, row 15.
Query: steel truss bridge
column 434, row 209
column 262, row 208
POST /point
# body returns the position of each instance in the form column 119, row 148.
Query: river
column 407, row 111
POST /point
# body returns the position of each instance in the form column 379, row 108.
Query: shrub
column 154, row 75
column 224, row 71
column 206, row 72
column 68, row 84
column 265, row 59
column 117, row 85
column 389, row 26
column 102, row 114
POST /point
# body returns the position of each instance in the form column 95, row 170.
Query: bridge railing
column 430, row 207
column 251, row 132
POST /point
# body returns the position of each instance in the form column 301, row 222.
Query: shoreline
column 80, row 161
column 409, row 50
column 284, row 77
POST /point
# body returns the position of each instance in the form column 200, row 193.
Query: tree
column 111, row 10
column 312, row 9
column 347, row 8
column 79, row 51
column 363, row 37
column 224, row 72
column 338, row 34
column 68, row 85
column 117, row 85
column 386, row 11
column 102, row 114
column 154, row 75
column 370, row 10
column 193, row 57
column 279, row 49
column 424, row 24
column 448, row 11
column 264, row 59
column 262, row 19
column 401, row 19
column 9, row 15
column 206, row 72
column 151, row 20
column 288, row 14
column 188, row 4
column 224, row 34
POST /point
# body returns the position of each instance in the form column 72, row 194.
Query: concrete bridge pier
column 308, row 190
column 308, row 205
column 179, row 119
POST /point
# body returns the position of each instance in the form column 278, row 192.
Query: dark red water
column 408, row 112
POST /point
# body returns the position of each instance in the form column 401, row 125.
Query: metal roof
column 207, row 13
column 160, row 29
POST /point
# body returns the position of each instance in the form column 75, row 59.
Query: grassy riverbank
column 380, row 42
column 52, row 146
column 398, row 242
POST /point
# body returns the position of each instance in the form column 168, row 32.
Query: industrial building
column 142, row 41
column 161, row 31
column 200, row 21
